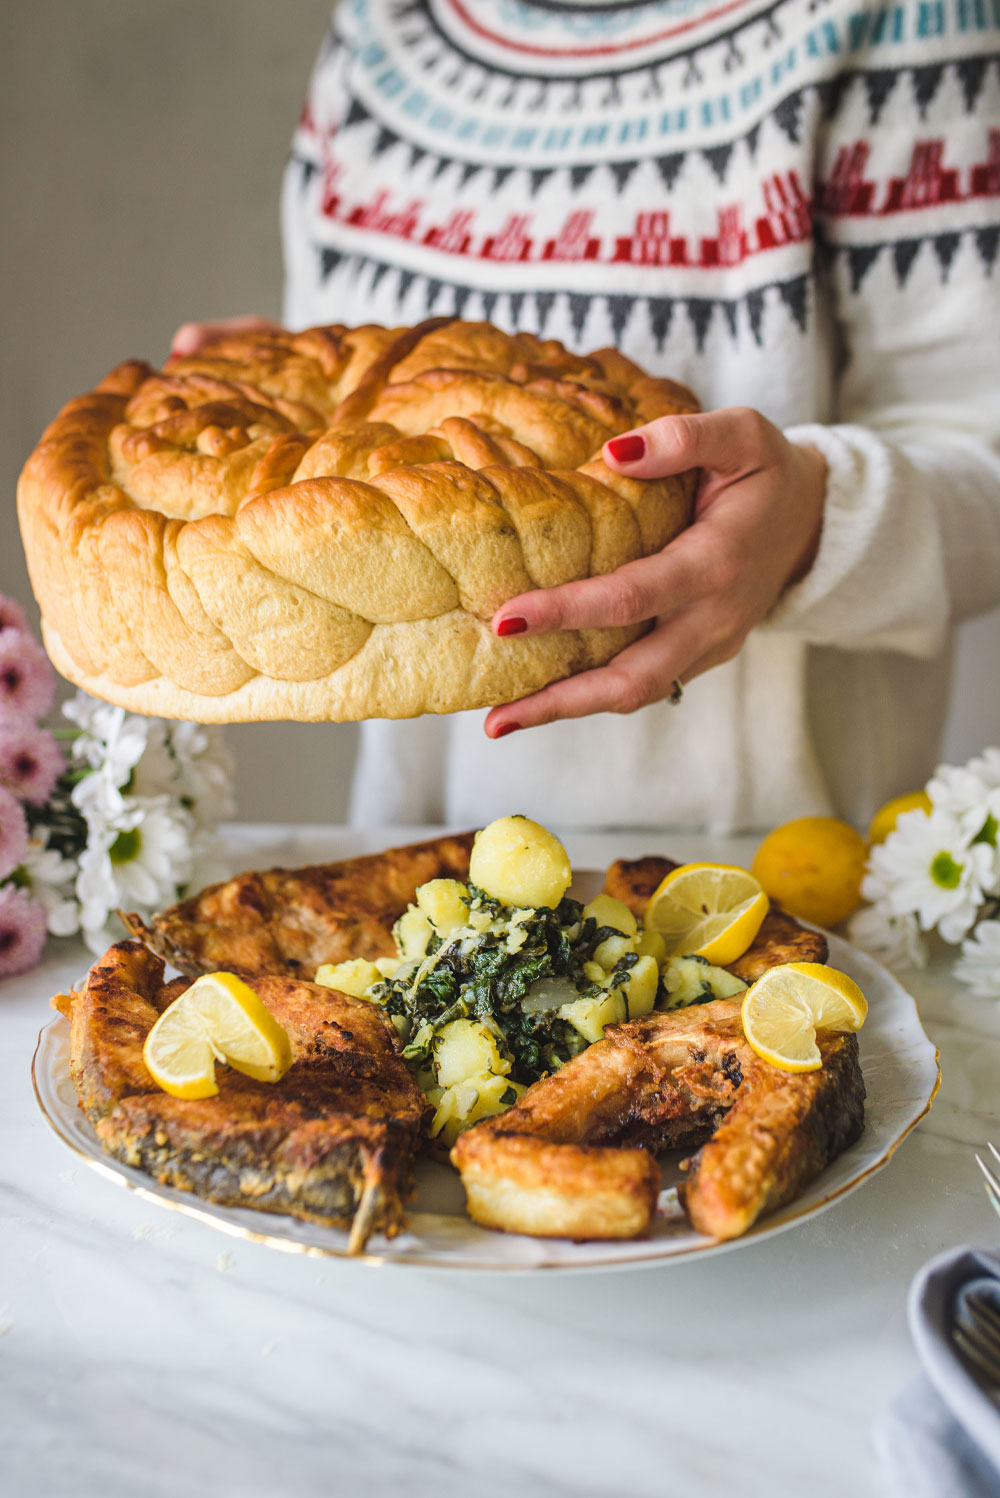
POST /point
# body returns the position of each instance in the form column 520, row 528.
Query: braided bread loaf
column 320, row 525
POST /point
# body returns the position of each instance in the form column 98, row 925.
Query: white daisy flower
column 987, row 767
column 957, row 790
column 928, row 867
column 155, row 771
column 111, row 742
column 971, row 794
column 894, row 939
column 205, row 771
column 48, row 878
column 979, row 964
column 151, row 800
column 140, row 860
column 95, row 891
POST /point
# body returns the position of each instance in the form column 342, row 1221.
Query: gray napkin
column 941, row 1437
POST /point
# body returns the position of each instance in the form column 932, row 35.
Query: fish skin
column 337, row 1133
column 291, row 921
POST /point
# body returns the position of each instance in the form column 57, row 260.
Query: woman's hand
column 758, row 516
column 191, row 337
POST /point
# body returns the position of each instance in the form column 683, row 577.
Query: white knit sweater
column 789, row 204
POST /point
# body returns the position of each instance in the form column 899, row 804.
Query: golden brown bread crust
column 780, row 938
column 320, row 525
column 569, row 1159
column 335, row 1137
column 291, row 920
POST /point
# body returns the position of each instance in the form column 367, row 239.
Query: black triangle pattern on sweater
column 620, row 307
column 904, row 252
column 793, row 294
column 878, row 84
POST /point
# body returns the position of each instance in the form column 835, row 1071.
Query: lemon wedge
column 788, row 1004
column 219, row 1018
column 709, row 910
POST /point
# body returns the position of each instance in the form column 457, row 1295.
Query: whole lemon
column 885, row 819
column 813, row 867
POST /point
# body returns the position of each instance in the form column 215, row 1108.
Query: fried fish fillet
column 574, row 1156
column 290, row 921
column 780, row 938
column 333, row 1141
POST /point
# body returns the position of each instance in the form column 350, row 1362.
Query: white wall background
column 141, row 150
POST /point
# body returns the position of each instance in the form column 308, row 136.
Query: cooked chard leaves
column 489, row 973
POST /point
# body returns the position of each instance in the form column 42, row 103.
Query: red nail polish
column 512, row 626
column 628, row 449
column 506, row 728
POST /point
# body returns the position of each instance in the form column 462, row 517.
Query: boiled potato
column 518, row 862
column 607, row 911
column 442, row 902
column 611, row 950
column 589, row 1016
column 355, row 977
column 465, row 1103
column 462, row 1049
column 651, row 944
column 412, row 932
column 387, row 965
column 691, row 980
column 640, row 991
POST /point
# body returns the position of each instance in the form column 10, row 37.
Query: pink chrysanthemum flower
column 30, row 761
column 13, row 833
column 27, row 682
column 12, row 616
column 22, row 931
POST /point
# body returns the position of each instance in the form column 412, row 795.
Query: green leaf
column 988, row 831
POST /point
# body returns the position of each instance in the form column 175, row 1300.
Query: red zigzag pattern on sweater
column 655, row 240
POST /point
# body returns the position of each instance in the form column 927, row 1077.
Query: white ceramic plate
column 901, row 1077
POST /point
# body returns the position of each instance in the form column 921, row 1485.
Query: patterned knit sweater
column 789, row 204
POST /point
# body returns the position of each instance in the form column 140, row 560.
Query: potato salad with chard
column 500, row 981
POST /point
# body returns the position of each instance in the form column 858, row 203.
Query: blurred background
column 141, row 155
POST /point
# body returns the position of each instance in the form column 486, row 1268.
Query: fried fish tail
column 775, row 1140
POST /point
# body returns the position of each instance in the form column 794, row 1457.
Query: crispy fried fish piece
column 333, row 1141
column 573, row 1157
column 291, row 920
column 780, row 938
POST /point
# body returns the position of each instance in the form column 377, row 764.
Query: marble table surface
column 144, row 1353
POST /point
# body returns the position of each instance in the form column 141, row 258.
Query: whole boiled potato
column 518, row 862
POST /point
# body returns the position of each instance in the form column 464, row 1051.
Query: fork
column 976, row 1334
column 976, row 1330
column 992, row 1179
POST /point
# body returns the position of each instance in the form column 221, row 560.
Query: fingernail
column 628, row 449
column 512, row 626
column 506, row 728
